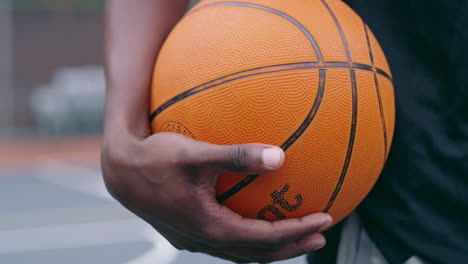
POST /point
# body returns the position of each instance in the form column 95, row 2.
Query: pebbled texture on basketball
column 306, row 75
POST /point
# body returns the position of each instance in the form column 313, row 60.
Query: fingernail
column 325, row 225
column 321, row 246
column 271, row 158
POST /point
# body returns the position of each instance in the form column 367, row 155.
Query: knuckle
column 238, row 156
column 182, row 155
column 184, row 152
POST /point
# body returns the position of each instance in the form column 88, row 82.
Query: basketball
column 306, row 75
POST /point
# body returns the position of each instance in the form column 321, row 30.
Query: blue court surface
column 56, row 212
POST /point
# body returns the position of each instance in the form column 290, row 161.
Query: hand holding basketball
column 169, row 180
column 306, row 75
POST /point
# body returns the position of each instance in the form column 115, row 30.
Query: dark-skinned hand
column 169, row 180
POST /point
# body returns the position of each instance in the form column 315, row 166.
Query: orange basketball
column 306, row 75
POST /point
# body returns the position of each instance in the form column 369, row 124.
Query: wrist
column 126, row 115
column 124, row 131
column 121, row 154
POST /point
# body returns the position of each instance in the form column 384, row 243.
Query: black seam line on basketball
column 220, row 81
column 310, row 117
column 349, row 152
column 289, row 142
column 300, row 66
column 383, row 73
column 340, row 30
column 377, row 88
column 308, row 35
column 356, row 66
column 236, row 188
column 352, row 135
column 302, row 28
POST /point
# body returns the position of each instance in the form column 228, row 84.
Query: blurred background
column 53, row 205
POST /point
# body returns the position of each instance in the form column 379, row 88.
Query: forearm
column 134, row 33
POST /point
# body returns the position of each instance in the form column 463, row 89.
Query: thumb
column 245, row 159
